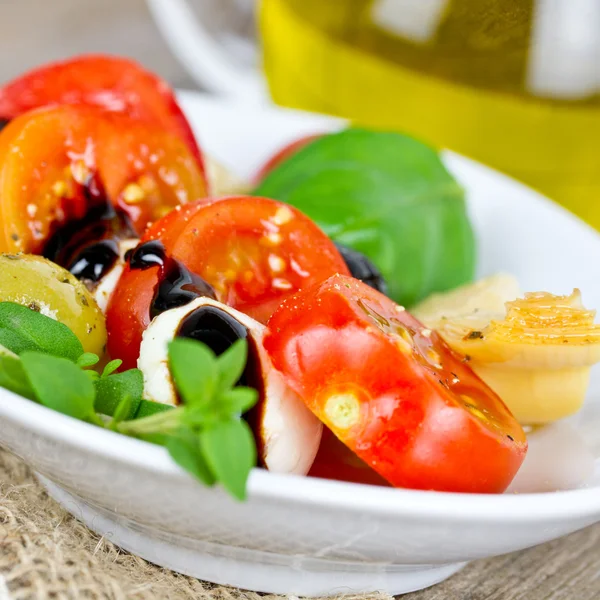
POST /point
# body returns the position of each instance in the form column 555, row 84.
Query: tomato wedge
column 254, row 252
column 393, row 391
column 114, row 84
column 47, row 157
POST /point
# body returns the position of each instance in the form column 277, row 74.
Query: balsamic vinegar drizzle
column 93, row 262
column 177, row 285
column 219, row 331
column 88, row 246
column 146, row 255
column 3, row 123
column 214, row 327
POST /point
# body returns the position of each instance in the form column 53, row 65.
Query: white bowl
column 306, row 536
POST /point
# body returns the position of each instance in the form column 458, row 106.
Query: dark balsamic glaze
column 146, row 255
column 3, row 123
column 362, row 268
column 217, row 329
column 177, row 285
column 213, row 327
column 88, row 246
column 93, row 262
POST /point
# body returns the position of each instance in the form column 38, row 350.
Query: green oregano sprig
column 44, row 361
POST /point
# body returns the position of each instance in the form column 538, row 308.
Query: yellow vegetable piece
column 536, row 355
column 486, row 296
column 44, row 286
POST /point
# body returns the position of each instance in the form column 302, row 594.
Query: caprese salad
column 144, row 289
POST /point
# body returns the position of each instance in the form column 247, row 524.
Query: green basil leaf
column 230, row 451
column 110, row 392
column 60, row 384
column 111, row 367
column 391, row 198
column 13, row 377
column 42, row 334
column 237, row 401
column 232, row 363
column 194, row 369
column 87, row 359
column 184, row 449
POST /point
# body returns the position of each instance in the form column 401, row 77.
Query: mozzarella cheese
column 288, row 434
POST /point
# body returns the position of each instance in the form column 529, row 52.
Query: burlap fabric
column 46, row 553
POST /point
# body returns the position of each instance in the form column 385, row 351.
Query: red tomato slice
column 284, row 154
column 114, row 84
column 48, row 155
column 336, row 461
column 393, row 391
column 254, row 252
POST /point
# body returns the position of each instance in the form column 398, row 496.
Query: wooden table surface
column 35, row 31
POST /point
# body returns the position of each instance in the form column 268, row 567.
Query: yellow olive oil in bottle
column 512, row 83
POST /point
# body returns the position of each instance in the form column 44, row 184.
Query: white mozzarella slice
column 288, row 434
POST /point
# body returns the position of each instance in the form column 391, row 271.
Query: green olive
column 51, row 290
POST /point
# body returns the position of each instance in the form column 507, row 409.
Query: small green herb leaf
column 110, row 392
column 42, row 333
column 15, row 342
column 13, row 378
column 232, row 363
column 237, row 401
column 111, row 367
column 87, row 359
column 230, row 452
column 147, row 408
column 60, row 384
column 194, row 369
column 122, row 412
column 199, row 416
column 163, row 422
column 184, row 448
column 93, row 375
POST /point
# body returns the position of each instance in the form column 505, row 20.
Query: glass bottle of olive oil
column 512, row 83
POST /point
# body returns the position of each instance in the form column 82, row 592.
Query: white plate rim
column 529, row 507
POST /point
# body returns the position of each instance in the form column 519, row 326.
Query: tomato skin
column 254, row 252
column 47, row 155
column 284, row 154
column 114, row 84
column 393, row 391
column 128, row 314
column 336, row 461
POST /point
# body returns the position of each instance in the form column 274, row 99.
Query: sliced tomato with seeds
column 112, row 83
column 48, row 155
column 393, row 391
column 254, row 252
